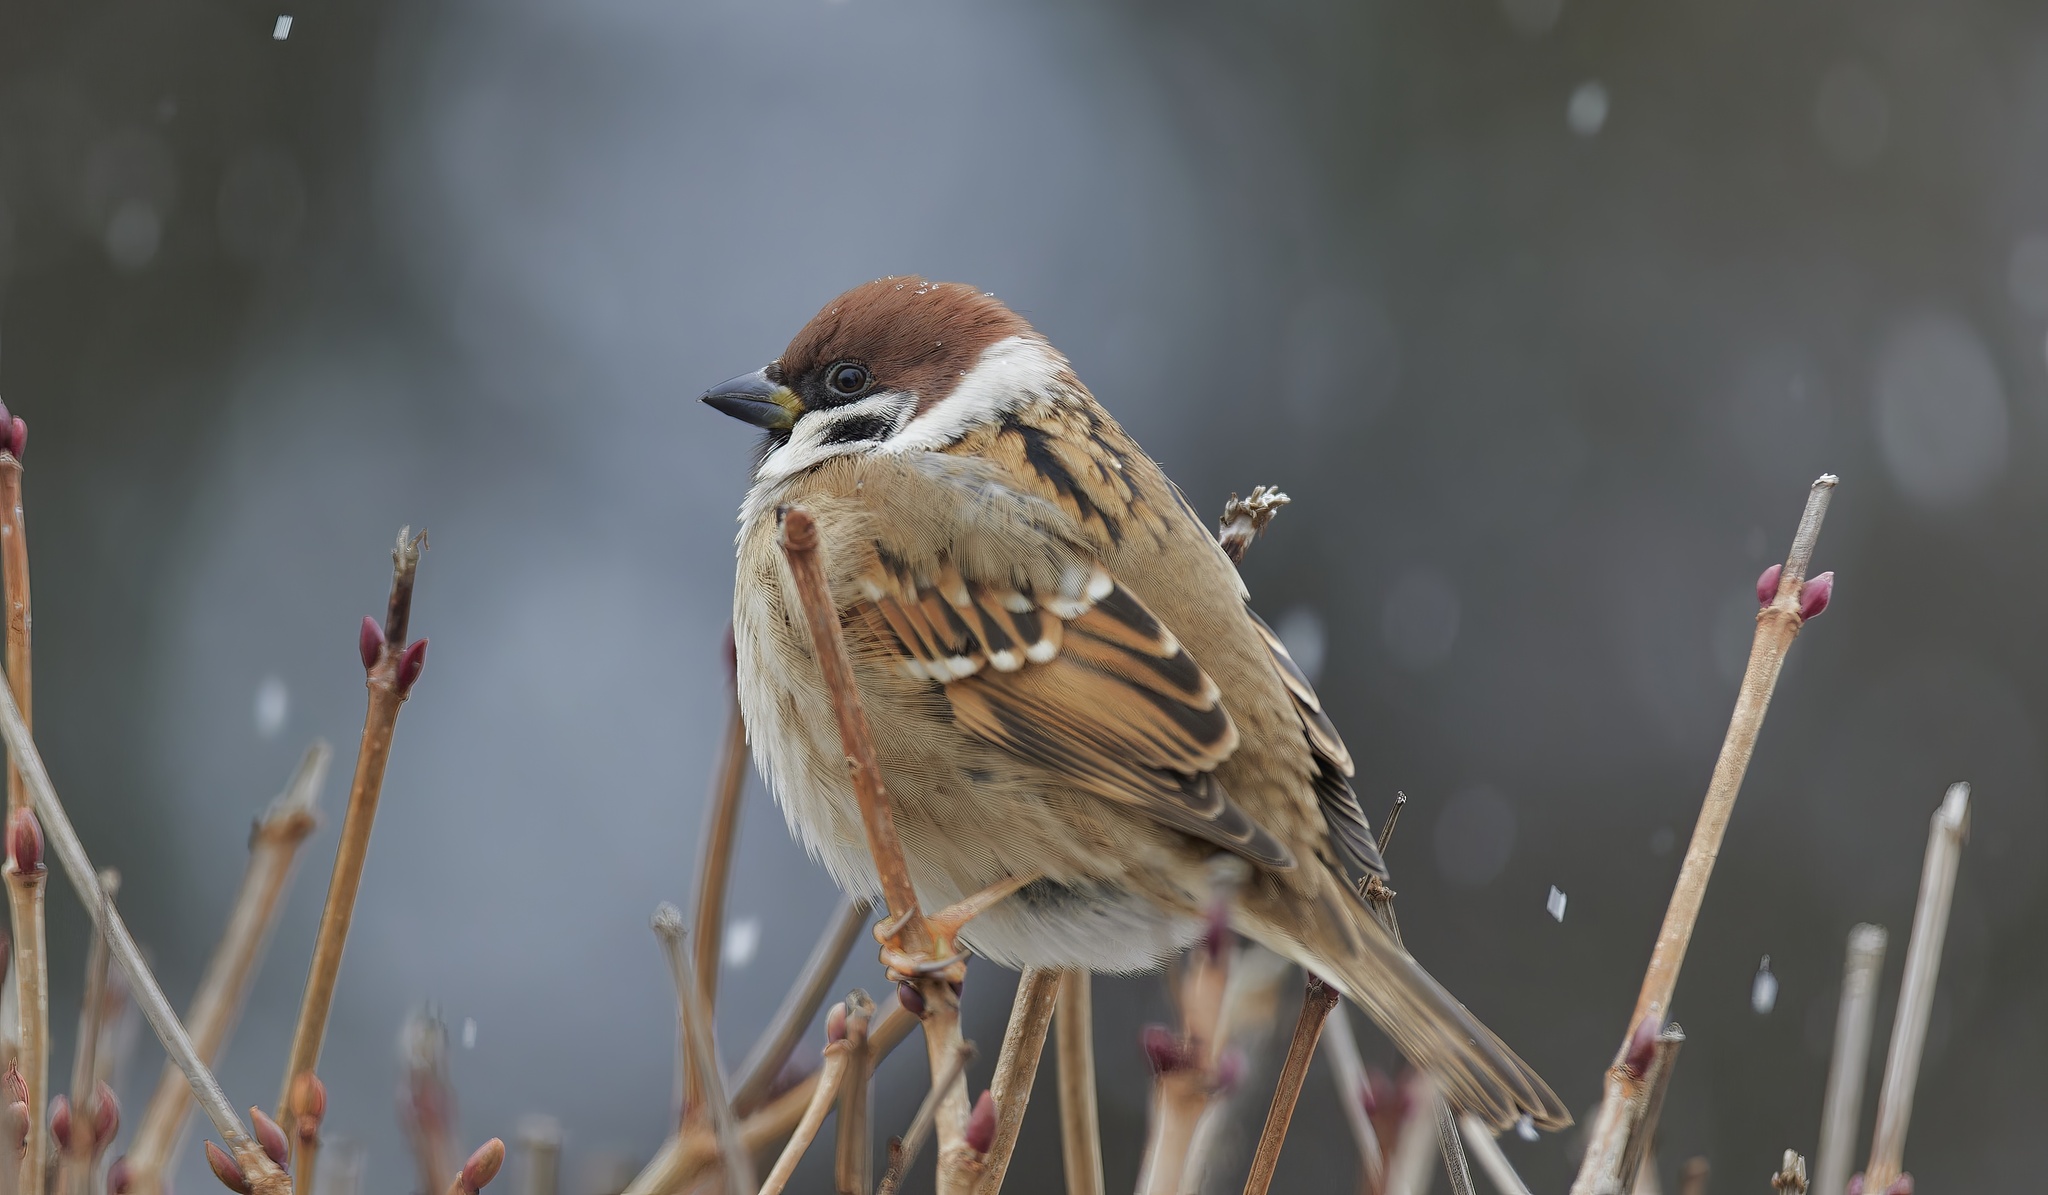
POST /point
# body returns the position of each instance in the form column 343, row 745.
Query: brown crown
column 914, row 336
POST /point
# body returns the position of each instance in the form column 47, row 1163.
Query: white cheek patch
column 812, row 440
column 1011, row 373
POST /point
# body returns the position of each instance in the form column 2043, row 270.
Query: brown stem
column 373, row 753
column 1946, row 833
column 1854, row 1019
column 950, row 1076
column 1649, row 1103
column 14, row 564
column 427, row 1106
column 1316, row 1002
column 1038, row 990
column 75, row 1165
column 25, row 893
column 908, row 930
column 265, row 1177
column 800, row 1005
column 1348, row 1069
column 1777, row 624
column 703, row 1052
column 714, row 871
column 1080, row 1123
column 823, row 1093
column 273, row 855
column 1187, row 1081
column 852, row 1163
column 1379, row 900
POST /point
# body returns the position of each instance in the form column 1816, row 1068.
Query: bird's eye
column 848, row 379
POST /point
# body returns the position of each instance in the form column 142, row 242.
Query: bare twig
column 1317, row 1001
column 1245, row 518
column 1776, row 626
column 14, row 565
column 1948, row 830
column 1080, row 1123
column 1452, row 1146
column 79, row 1155
column 1843, row 1105
column 1408, row 1164
column 1655, row 1082
column 739, row 1164
column 1487, row 1152
column 908, row 934
column 427, row 1100
column 800, row 1005
column 1185, row 1066
column 265, row 1178
column 274, row 845
column 27, row 883
column 479, row 1170
column 823, row 1093
column 540, row 1139
column 714, row 869
column 391, row 665
column 904, row 1151
column 852, row 1161
column 1349, row 1071
column 1038, row 990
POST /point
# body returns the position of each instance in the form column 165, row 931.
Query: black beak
column 752, row 398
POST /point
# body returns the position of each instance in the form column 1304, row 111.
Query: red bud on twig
column 911, row 999
column 981, row 1123
column 370, row 642
column 482, row 1166
column 1230, row 1070
column 60, row 1122
column 1642, row 1047
column 1902, row 1185
column 835, row 1023
column 120, row 1176
column 1163, row 1049
column 25, row 841
column 1767, row 585
column 411, row 664
column 309, row 1102
column 1814, row 595
column 270, row 1136
column 225, row 1169
column 18, row 442
column 106, row 1115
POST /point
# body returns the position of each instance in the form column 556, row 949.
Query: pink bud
column 1642, row 1047
column 981, row 1124
column 120, row 1176
column 1767, row 585
column 308, row 1105
column 911, row 999
column 1855, row 1186
column 270, row 1136
column 60, row 1122
column 370, row 642
column 1902, row 1185
column 483, row 1165
column 1814, row 595
column 25, row 842
column 225, row 1169
column 1163, row 1049
column 106, row 1114
column 411, row 664
column 18, row 442
column 17, row 1125
column 1229, row 1070
column 835, row 1023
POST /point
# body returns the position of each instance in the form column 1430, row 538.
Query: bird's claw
column 943, row 958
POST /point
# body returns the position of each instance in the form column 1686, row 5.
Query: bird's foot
column 942, row 958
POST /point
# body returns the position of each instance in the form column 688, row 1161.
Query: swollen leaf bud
column 981, row 1124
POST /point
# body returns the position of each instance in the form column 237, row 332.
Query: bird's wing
column 1073, row 673
column 1349, row 828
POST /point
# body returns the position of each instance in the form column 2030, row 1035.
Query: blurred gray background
column 1545, row 311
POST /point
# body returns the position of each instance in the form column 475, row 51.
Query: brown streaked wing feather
column 1087, row 683
column 1346, row 819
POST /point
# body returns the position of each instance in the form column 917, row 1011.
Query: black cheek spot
column 860, row 429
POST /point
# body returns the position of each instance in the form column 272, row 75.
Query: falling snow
column 1556, row 903
column 742, row 939
column 1763, row 990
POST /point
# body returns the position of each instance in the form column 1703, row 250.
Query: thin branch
column 1408, row 1165
column 25, row 891
column 1080, row 1123
column 1317, row 1001
column 1777, row 624
column 1244, row 519
column 800, row 1005
column 427, row 1106
column 391, row 665
column 265, row 1177
column 852, row 1160
column 904, row 1151
column 27, row 884
column 822, row 1094
column 1946, row 833
column 273, row 855
column 540, row 1140
column 14, row 565
column 1187, row 1077
column 1650, row 1101
column 924, row 949
column 1487, row 1152
column 1854, row 1019
column 739, row 1164
column 1038, row 990
column 1349, row 1071
column 1452, row 1146
column 76, row 1161
column 714, row 869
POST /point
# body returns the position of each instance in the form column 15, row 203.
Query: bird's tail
column 1334, row 936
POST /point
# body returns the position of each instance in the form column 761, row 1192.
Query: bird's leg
column 943, row 957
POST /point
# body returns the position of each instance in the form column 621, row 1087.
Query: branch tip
column 483, row 1166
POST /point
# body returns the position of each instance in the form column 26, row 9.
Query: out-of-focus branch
column 1186, row 1066
column 1031, row 1014
column 1946, row 833
column 1348, row 1068
column 1408, row 1161
column 540, row 1140
column 739, row 1163
column 1487, row 1152
column 1854, row 1019
column 1788, row 601
column 94, row 1115
column 426, row 1104
column 391, row 666
column 772, row 1049
column 1080, row 1123
column 714, row 867
column 830, row 1076
column 274, row 845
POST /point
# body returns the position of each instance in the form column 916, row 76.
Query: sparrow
column 1067, row 685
